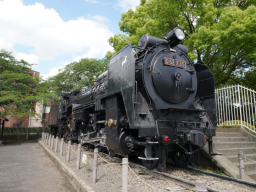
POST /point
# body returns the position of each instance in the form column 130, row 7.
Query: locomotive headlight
column 175, row 36
column 179, row 34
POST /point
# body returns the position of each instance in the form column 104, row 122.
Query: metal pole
column 254, row 107
column 233, row 107
column 241, row 164
column 228, row 94
column 237, row 108
column 125, row 175
column 61, row 146
column 56, row 144
column 249, row 108
column 220, row 106
column 42, row 135
column 240, row 102
column 69, row 149
column 95, row 162
column 78, row 157
column 231, row 104
column 217, row 108
column 223, row 106
column 246, row 116
column 226, row 106
column 251, row 104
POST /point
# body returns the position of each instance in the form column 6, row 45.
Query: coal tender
column 153, row 104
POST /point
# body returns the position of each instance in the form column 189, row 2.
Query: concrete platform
column 24, row 167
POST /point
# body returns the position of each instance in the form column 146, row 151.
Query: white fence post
column 78, row 156
column 200, row 186
column 56, row 144
column 240, row 102
column 241, row 164
column 52, row 141
column 49, row 139
column 61, row 146
column 69, row 149
column 125, row 175
column 95, row 163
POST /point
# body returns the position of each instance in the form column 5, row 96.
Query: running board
column 148, row 159
column 92, row 140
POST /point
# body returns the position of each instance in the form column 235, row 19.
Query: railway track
column 189, row 185
column 178, row 180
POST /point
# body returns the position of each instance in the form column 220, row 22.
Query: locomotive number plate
column 174, row 62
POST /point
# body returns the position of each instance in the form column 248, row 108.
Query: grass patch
column 231, row 124
column 236, row 126
column 209, row 169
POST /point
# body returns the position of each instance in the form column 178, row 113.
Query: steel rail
column 186, row 183
column 177, row 180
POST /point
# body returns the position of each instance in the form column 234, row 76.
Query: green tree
column 19, row 90
column 246, row 78
column 220, row 33
column 76, row 75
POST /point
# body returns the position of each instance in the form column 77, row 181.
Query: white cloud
column 89, row 54
column 96, row 1
column 45, row 31
column 53, row 71
column 128, row 4
column 100, row 18
column 30, row 58
column 92, row 1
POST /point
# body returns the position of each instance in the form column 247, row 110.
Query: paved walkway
column 24, row 167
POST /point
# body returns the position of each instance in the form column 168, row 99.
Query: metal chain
column 241, row 157
column 249, row 159
column 107, row 161
column 86, row 152
column 144, row 181
column 119, row 164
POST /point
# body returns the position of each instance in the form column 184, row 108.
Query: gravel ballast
column 109, row 175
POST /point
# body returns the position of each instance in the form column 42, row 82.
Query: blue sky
column 53, row 33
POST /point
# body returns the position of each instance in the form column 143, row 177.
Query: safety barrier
column 49, row 140
column 235, row 106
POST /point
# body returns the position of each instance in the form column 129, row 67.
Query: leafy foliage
column 246, row 78
column 76, row 75
column 19, row 90
column 220, row 33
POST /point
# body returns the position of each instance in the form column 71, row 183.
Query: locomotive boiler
column 152, row 104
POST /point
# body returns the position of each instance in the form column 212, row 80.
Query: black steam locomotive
column 152, row 104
